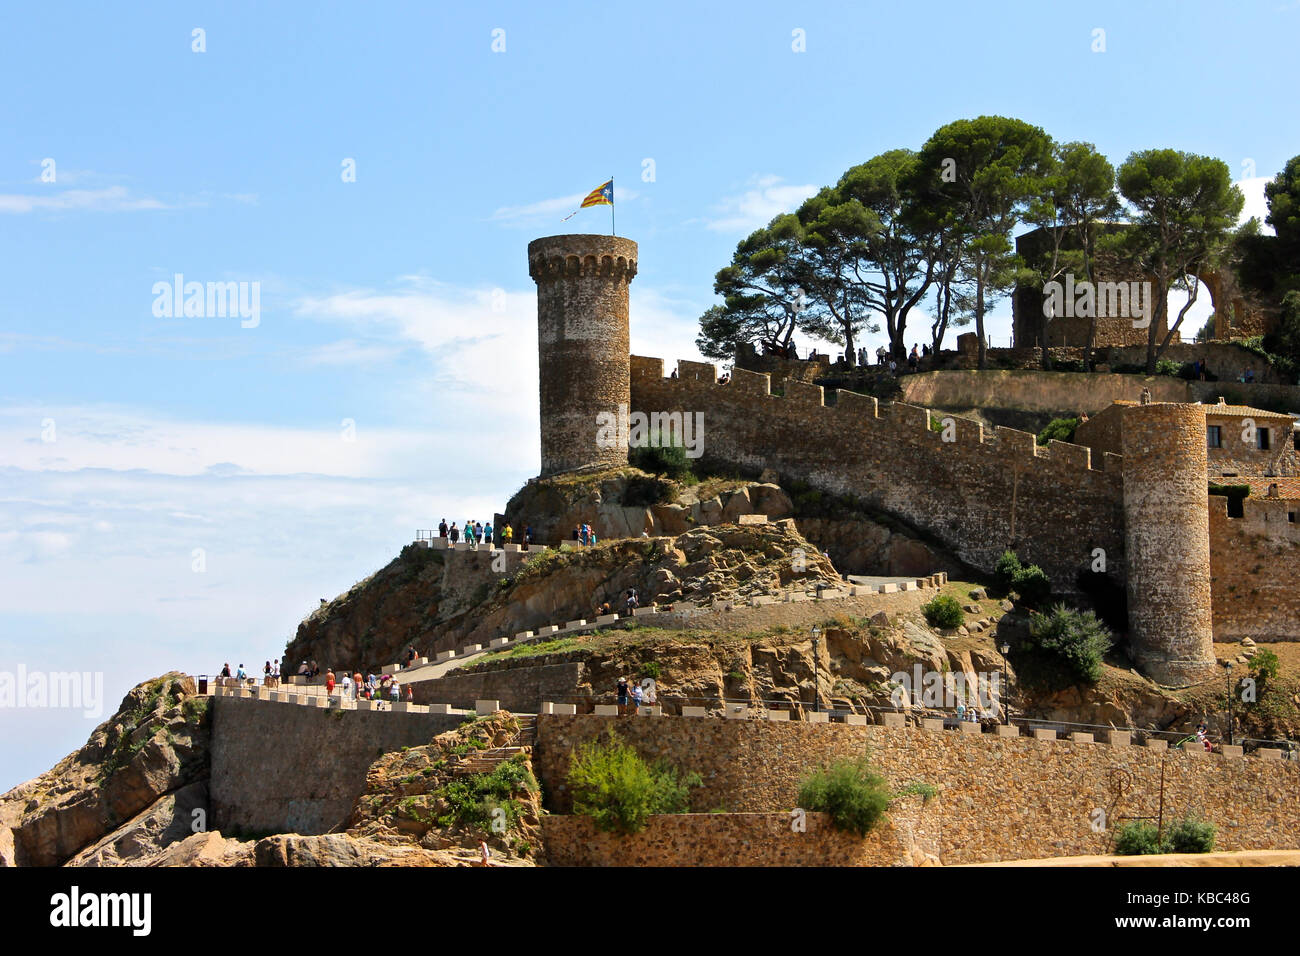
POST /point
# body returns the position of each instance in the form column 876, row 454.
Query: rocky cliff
column 130, row 790
column 436, row 600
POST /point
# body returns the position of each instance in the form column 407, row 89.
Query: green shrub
column 1264, row 667
column 661, row 459
column 1168, row 367
column 1141, row 837
column 1071, row 640
column 942, row 610
column 928, row 791
column 1189, row 836
column 619, row 790
column 849, row 791
column 642, row 491
column 1033, row 586
column 1068, row 365
column 1007, row 568
column 650, row 669
column 471, row 799
column 1137, row 838
column 1060, row 429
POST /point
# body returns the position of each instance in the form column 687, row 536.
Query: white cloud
column 757, row 206
column 110, row 199
column 662, row 326
column 555, row 210
column 125, row 439
column 1256, row 203
column 349, row 352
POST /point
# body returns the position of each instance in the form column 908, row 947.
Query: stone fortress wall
column 281, row 768
column 977, row 494
column 1000, row 798
column 1253, row 586
column 986, row 492
column 1062, row 507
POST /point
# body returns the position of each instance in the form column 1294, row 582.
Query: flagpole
column 611, row 206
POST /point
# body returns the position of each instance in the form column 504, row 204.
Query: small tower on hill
column 1167, row 541
column 583, row 344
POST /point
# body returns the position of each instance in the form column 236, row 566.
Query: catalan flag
column 602, row 195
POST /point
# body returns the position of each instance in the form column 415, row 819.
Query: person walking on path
column 329, row 682
column 442, row 528
column 507, row 535
column 453, row 533
column 622, row 695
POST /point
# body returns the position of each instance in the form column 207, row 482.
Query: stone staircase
column 485, row 761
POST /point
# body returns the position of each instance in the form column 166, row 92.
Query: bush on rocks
column 942, row 610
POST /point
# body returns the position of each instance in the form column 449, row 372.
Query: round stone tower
column 583, row 344
column 1167, row 541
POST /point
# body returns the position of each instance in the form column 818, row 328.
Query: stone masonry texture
column 999, row 798
column 977, row 495
column 583, row 343
column 1167, row 539
column 909, row 830
column 290, row 768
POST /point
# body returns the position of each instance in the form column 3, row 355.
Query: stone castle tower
column 1167, row 541
column 583, row 343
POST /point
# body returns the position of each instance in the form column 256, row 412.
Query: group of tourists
column 270, row 674
column 974, row 713
column 583, row 534
column 354, row 685
column 885, row 359
column 369, row 688
column 635, row 695
column 475, row 533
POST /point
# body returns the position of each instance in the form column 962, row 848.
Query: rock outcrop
column 104, row 796
column 423, row 597
column 471, row 784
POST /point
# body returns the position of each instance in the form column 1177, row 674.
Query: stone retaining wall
column 1000, row 798
column 908, row 836
column 277, row 768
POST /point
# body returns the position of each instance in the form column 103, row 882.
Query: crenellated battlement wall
column 976, row 493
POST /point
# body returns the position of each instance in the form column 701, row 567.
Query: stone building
column 1240, row 441
column 1237, row 314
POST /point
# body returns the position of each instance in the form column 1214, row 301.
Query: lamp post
column 1229, row 666
column 1004, row 647
column 816, row 634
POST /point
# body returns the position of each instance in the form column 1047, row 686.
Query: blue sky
column 391, row 379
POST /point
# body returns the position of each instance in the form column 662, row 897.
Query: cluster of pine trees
column 929, row 233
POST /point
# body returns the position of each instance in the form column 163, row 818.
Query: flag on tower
column 602, row 195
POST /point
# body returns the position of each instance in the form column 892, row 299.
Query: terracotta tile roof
column 1243, row 411
column 1288, row 488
